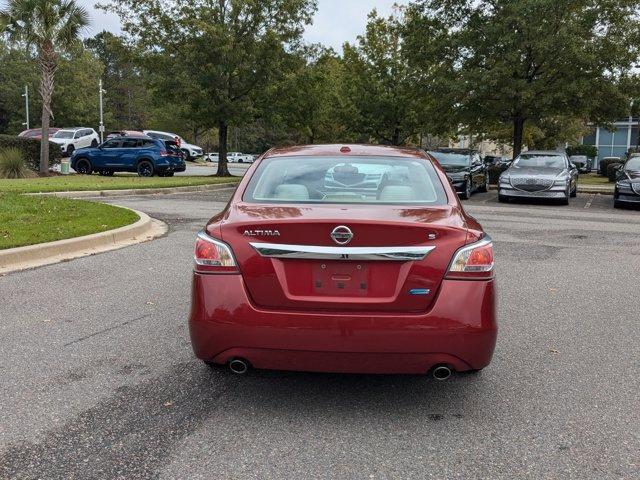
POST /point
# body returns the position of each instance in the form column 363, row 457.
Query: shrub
column 612, row 171
column 588, row 150
column 30, row 149
column 11, row 164
column 604, row 165
column 494, row 173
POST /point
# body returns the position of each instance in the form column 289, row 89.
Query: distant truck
column 239, row 157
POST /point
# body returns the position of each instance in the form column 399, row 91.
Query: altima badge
column 261, row 233
column 342, row 235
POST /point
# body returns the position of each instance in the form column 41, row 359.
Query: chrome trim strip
column 401, row 254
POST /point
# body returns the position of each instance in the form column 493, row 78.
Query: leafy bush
column 494, row 173
column 604, row 164
column 11, row 164
column 30, row 149
column 612, row 170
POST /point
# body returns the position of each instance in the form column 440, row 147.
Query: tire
column 565, row 200
column 240, row 161
column 574, row 192
column 70, row 150
column 145, row 168
column 503, row 199
column 106, row 173
column 83, row 166
column 485, row 186
column 94, row 143
column 466, row 195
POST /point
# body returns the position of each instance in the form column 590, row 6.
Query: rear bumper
column 460, row 330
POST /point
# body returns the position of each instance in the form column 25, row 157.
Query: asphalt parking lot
column 98, row 380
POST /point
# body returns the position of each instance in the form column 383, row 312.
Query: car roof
column 355, row 150
column 543, row 152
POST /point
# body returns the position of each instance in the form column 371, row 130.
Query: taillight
column 473, row 261
column 164, row 153
column 213, row 256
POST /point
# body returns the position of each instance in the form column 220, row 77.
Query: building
column 614, row 142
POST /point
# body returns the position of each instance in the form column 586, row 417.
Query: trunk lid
column 273, row 243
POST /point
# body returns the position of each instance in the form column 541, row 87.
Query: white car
column 239, row 157
column 212, row 157
column 71, row 139
column 190, row 151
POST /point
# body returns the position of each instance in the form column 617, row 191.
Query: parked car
column 144, row 155
column 627, row 190
column 212, row 157
column 465, row 169
column 295, row 274
column 190, row 151
column 581, row 162
column 539, row 174
column 71, row 139
column 125, row 133
column 602, row 167
column 36, row 133
column 233, row 157
column 498, row 160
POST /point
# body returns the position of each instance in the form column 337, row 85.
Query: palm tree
column 50, row 27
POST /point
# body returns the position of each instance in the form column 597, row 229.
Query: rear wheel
column 83, row 167
column 145, row 168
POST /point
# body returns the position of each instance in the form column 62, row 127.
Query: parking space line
column 590, row 201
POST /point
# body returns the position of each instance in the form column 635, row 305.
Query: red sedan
column 354, row 259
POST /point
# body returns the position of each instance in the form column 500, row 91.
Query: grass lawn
column 594, row 180
column 27, row 220
column 65, row 183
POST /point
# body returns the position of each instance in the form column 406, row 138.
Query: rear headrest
column 292, row 191
column 396, row 193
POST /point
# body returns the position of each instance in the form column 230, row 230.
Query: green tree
column 50, row 27
column 17, row 69
column 523, row 62
column 381, row 84
column 127, row 99
column 221, row 58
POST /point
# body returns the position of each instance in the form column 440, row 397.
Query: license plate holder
column 347, row 279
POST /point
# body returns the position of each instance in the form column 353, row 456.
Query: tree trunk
column 395, row 140
column 48, row 64
column 223, row 171
column 518, row 134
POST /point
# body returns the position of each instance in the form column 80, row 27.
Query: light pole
column 26, row 105
column 101, row 128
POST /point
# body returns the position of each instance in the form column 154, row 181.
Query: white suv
column 239, row 157
column 71, row 139
column 191, row 152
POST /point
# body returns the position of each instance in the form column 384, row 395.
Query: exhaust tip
column 239, row 366
column 441, row 372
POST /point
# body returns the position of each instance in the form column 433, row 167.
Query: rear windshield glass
column 378, row 180
column 533, row 160
column 452, row 158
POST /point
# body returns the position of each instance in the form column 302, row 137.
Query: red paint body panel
column 459, row 330
column 275, row 315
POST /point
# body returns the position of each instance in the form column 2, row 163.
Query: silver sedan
column 539, row 174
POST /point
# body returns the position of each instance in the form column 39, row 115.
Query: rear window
column 366, row 180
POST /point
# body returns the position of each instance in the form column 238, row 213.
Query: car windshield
column 362, row 180
column 452, row 158
column 553, row 161
column 633, row 164
column 63, row 134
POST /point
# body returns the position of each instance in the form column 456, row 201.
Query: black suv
column 465, row 169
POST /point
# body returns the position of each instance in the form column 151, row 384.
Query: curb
column 138, row 191
column 30, row 256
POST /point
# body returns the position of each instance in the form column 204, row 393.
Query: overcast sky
column 335, row 22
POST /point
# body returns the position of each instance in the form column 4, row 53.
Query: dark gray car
column 539, row 174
